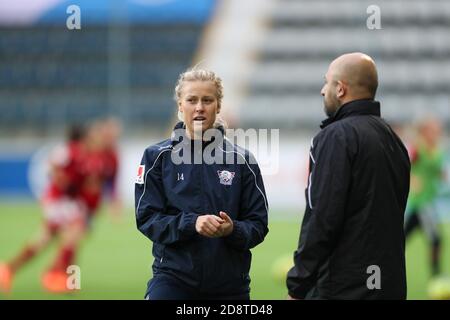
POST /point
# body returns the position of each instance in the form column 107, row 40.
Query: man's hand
column 209, row 226
column 227, row 225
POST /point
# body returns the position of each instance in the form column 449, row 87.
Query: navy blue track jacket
column 169, row 197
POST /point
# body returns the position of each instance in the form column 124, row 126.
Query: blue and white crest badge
column 226, row 177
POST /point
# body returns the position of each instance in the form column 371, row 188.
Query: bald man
column 352, row 244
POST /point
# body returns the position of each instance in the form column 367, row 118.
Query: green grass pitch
column 115, row 259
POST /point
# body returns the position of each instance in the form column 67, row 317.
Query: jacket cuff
column 297, row 289
column 296, row 295
column 237, row 236
column 189, row 225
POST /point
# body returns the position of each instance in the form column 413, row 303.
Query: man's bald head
column 358, row 71
column 352, row 76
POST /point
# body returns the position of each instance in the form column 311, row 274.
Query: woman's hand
column 227, row 225
column 212, row 226
column 209, row 225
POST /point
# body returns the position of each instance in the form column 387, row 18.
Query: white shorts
column 63, row 211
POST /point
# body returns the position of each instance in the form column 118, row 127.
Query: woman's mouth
column 199, row 119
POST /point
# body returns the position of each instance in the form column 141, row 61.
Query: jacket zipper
column 202, row 266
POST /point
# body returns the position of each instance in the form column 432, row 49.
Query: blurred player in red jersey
column 82, row 171
column 89, row 186
column 97, row 173
column 64, row 215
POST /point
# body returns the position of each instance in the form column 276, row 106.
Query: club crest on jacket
column 226, row 177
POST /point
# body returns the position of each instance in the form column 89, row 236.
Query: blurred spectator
column 427, row 173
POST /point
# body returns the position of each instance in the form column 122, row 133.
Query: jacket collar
column 354, row 108
column 182, row 125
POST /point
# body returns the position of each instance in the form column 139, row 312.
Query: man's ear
column 180, row 108
column 340, row 89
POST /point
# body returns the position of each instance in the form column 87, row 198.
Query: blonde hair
column 195, row 74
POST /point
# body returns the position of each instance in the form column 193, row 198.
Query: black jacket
column 356, row 197
column 170, row 197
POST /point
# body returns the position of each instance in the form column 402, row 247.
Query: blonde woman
column 203, row 218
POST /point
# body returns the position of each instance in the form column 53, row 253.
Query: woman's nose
column 199, row 106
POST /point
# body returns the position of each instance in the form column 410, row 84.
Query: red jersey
column 99, row 170
column 65, row 174
column 91, row 187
